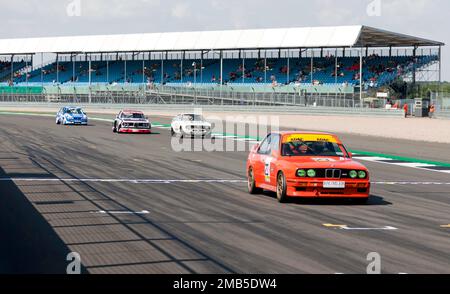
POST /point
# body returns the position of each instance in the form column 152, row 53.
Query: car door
column 176, row 123
column 272, row 159
column 260, row 165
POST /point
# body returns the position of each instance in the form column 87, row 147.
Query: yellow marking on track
column 445, row 226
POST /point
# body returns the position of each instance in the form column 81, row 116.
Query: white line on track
column 406, row 183
column 132, row 181
column 346, row 227
column 120, row 212
column 194, row 181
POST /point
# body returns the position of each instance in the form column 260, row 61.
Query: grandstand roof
column 307, row 37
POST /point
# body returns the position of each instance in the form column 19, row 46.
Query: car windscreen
column 192, row 117
column 312, row 148
column 74, row 111
column 133, row 116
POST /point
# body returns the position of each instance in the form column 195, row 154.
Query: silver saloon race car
column 132, row 121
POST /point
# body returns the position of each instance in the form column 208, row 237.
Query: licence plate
column 334, row 185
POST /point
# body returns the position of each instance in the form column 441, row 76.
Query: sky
column 38, row 18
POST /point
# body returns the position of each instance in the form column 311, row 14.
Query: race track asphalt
column 130, row 204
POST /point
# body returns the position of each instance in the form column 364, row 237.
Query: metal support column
column 125, row 80
column 221, row 74
column 288, row 68
column 336, row 72
column 312, row 66
column 201, row 68
column 265, row 67
column 361, row 77
column 26, row 72
column 162, row 68
column 90, row 79
column 42, row 69
column 440, row 74
column 74, row 57
column 57, row 68
column 107, row 69
column 143, row 68
column 243, row 67
column 181, row 69
column 221, row 68
column 12, row 68
column 414, row 67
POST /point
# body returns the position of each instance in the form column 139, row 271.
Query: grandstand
column 321, row 58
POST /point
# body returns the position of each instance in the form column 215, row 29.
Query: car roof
column 132, row 111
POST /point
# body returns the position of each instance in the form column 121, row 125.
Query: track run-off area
column 131, row 204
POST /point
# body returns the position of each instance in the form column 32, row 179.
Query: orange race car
column 310, row 165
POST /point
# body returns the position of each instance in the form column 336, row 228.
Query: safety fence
column 325, row 95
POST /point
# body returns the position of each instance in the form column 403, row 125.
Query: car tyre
column 281, row 188
column 172, row 132
column 251, row 183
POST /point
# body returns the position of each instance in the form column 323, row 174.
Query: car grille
column 136, row 125
column 332, row 173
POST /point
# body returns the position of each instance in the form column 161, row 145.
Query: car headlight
column 311, row 173
column 301, row 173
column 362, row 174
column 353, row 174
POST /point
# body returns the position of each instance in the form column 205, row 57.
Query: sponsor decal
column 309, row 138
column 323, row 159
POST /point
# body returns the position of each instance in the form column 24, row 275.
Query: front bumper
column 314, row 188
column 197, row 132
column 76, row 122
column 135, row 131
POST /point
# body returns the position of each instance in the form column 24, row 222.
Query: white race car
column 192, row 125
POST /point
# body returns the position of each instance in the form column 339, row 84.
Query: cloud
column 181, row 10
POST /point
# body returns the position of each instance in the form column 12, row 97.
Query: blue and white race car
column 71, row 116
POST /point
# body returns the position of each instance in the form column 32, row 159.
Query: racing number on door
column 267, row 171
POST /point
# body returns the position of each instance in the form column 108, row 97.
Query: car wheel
column 172, row 132
column 252, row 189
column 58, row 122
column 114, row 128
column 281, row 188
column 181, row 133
